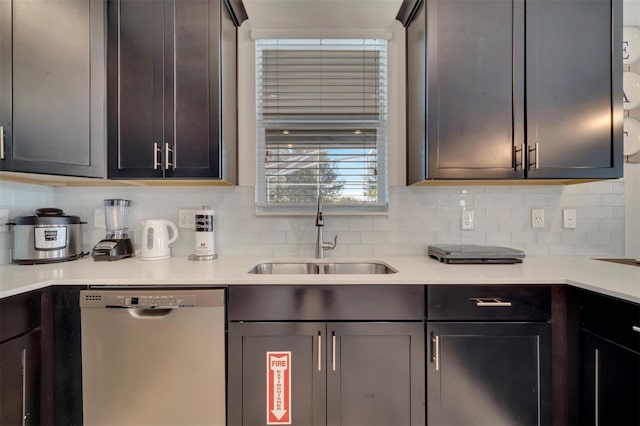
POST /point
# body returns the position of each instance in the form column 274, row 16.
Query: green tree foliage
column 303, row 185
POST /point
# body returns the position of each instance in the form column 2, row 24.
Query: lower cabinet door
column 276, row 374
column 609, row 383
column 375, row 374
column 20, row 380
column 358, row 374
column 489, row 374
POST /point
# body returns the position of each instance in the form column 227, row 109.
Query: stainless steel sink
column 329, row 268
column 357, row 268
column 285, row 268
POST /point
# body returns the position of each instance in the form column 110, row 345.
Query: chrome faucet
column 321, row 246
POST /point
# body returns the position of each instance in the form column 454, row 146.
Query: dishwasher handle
column 144, row 313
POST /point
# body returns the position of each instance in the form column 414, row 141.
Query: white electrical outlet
column 569, row 218
column 98, row 218
column 186, row 218
column 467, row 219
column 537, row 218
column 4, row 218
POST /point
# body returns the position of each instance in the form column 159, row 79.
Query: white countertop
column 622, row 281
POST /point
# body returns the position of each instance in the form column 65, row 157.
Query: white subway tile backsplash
column 285, row 250
column 598, row 212
column 564, row 250
column 385, row 250
column 417, row 216
column 571, row 236
column 359, row 224
column 385, row 225
column 360, row 250
column 612, row 199
column 526, row 237
column 371, row 237
column 273, row 237
column 499, row 238
column 536, row 249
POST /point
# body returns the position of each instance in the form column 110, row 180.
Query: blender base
column 112, row 249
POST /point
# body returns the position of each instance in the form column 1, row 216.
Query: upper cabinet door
column 166, row 84
column 52, row 61
column 192, row 52
column 497, row 90
column 465, row 90
column 574, row 88
column 474, row 88
column 135, row 81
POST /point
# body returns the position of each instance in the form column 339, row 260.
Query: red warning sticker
column 279, row 388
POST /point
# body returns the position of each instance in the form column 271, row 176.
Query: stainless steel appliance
column 117, row 244
column 473, row 253
column 153, row 357
column 48, row 236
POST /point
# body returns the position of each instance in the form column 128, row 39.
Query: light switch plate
column 569, row 218
column 186, row 218
column 98, row 218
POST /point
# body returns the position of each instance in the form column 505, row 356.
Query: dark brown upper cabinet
column 513, row 89
column 172, row 110
column 52, row 87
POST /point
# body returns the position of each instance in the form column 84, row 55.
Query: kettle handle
column 174, row 232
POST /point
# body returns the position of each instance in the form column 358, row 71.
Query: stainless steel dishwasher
column 153, row 357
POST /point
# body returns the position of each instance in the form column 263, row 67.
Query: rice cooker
column 48, row 236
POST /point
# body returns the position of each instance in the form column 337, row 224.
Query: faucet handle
column 331, row 246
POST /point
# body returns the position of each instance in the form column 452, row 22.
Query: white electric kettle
column 156, row 240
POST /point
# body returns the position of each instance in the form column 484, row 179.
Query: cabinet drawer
column 19, row 314
column 326, row 303
column 489, row 303
column 611, row 318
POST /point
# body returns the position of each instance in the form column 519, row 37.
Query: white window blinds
column 321, row 122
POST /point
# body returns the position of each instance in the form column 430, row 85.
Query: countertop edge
column 620, row 281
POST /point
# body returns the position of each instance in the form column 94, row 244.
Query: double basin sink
column 318, row 268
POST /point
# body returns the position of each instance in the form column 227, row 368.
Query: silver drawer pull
column 1, row 143
column 319, row 351
column 636, row 328
column 490, row 302
column 333, row 350
column 436, row 352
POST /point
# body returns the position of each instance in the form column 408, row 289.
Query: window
column 321, row 124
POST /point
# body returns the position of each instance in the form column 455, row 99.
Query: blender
column 117, row 244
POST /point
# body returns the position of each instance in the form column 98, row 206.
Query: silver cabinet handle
column 536, row 161
column 1, row 142
column 517, row 150
column 156, row 151
column 333, row 350
column 167, row 156
column 436, row 352
column 490, row 302
column 319, row 351
column 636, row 328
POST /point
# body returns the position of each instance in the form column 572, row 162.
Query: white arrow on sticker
column 279, row 413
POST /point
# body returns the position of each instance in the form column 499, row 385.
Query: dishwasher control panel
column 139, row 300
column 150, row 301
